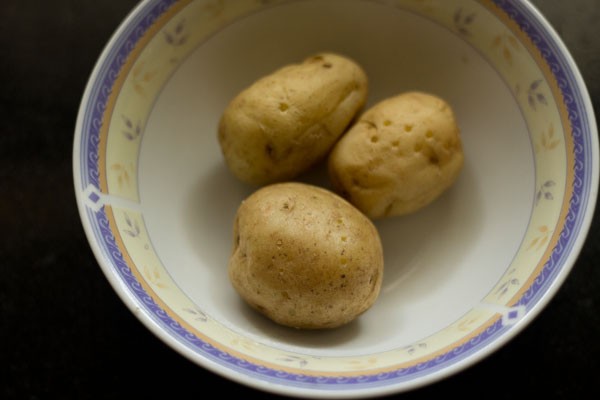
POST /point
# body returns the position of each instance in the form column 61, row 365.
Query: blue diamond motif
column 94, row 197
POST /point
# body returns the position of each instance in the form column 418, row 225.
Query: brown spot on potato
column 288, row 205
column 370, row 124
column 327, row 65
column 269, row 150
column 388, row 210
column 283, row 107
column 373, row 278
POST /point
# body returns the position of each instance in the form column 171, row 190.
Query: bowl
column 462, row 276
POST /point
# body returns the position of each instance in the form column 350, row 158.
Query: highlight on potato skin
column 400, row 155
column 304, row 257
column 286, row 122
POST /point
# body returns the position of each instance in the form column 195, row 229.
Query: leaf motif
column 215, row 8
column 534, row 85
column 138, row 69
column 501, row 287
column 513, row 42
column 128, row 220
column 532, row 243
column 466, row 324
column 130, row 233
column 538, row 196
column 169, row 38
column 127, row 122
column 116, row 167
column 507, row 55
column 543, row 229
column 147, row 272
column 139, row 89
column 553, row 144
column 463, row 31
column 549, row 183
column 541, row 98
column 544, row 141
column 531, row 101
column 457, row 16
column 542, row 242
column 497, row 41
column 182, row 40
column 548, row 196
column 179, row 27
column 469, row 19
column 148, row 76
column 199, row 315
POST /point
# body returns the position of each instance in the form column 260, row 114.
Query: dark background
column 63, row 331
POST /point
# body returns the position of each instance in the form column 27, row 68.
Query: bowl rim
column 154, row 326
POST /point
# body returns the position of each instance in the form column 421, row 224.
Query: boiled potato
column 287, row 121
column 401, row 155
column 305, row 257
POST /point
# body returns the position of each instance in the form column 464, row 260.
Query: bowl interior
column 440, row 263
column 461, row 276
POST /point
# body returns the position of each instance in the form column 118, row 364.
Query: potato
column 401, row 155
column 287, row 121
column 305, row 257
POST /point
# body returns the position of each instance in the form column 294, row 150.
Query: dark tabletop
column 63, row 331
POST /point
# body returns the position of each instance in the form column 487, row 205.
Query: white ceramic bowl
column 462, row 276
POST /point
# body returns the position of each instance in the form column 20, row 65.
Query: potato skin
column 287, row 121
column 305, row 257
column 400, row 156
